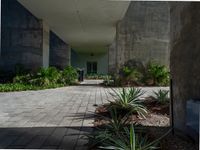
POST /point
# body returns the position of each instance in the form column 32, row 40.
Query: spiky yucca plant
column 127, row 100
column 129, row 140
column 161, row 96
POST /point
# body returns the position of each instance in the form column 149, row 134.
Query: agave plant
column 129, row 140
column 161, row 96
column 128, row 101
column 115, row 124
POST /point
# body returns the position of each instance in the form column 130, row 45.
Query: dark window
column 91, row 67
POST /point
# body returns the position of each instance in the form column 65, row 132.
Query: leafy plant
column 23, row 87
column 46, row 76
column 130, row 76
column 69, row 75
column 96, row 76
column 157, row 74
column 115, row 124
column 126, row 71
column 161, row 96
column 127, row 100
column 23, row 79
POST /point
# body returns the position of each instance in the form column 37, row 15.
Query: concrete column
column 45, row 45
column 184, row 59
column 143, row 34
column 112, row 57
column 60, row 52
column 0, row 29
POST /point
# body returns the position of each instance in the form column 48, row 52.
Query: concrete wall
column 112, row 58
column 21, row 37
column 185, row 58
column 79, row 60
column 60, row 52
column 26, row 40
column 45, row 45
column 143, row 34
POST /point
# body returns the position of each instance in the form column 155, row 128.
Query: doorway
column 91, row 67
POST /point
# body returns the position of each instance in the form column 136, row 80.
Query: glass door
column 91, row 67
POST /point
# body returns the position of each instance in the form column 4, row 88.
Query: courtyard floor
column 53, row 118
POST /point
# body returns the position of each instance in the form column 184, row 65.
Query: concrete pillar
column 184, row 59
column 0, row 31
column 45, row 45
column 112, row 51
column 22, row 37
column 60, row 52
column 143, row 34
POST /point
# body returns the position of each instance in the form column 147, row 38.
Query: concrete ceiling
column 87, row 25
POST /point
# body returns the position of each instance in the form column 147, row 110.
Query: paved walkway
column 50, row 119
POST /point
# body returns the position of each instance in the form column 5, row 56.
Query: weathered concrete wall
column 112, row 58
column 45, row 45
column 21, row 37
column 185, row 57
column 143, row 34
column 60, row 52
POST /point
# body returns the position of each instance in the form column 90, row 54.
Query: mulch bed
column 157, row 123
column 158, row 115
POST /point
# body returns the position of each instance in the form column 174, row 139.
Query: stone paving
column 50, row 119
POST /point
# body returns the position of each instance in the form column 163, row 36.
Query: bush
column 127, row 101
column 22, row 79
column 9, row 87
column 161, row 97
column 44, row 78
column 135, row 73
column 69, row 75
column 95, row 76
column 156, row 74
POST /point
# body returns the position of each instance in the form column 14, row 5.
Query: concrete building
column 100, row 36
column 142, row 35
column 82, row 33
column 38, row 35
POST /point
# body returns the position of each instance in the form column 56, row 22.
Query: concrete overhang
column 87, row 25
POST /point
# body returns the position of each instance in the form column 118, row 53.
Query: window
column 91, row 67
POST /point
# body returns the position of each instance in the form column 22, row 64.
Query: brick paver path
column 50, row 119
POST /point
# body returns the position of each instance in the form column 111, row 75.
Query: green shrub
column 127, row 101
column 161, row 96
column 95, row 76
column 69, row 75
column 23, row 79
column 135, row 73
column 130, row 76
column 126, row 71
column 9, row 87
column 46, row 77
column 157, row 74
